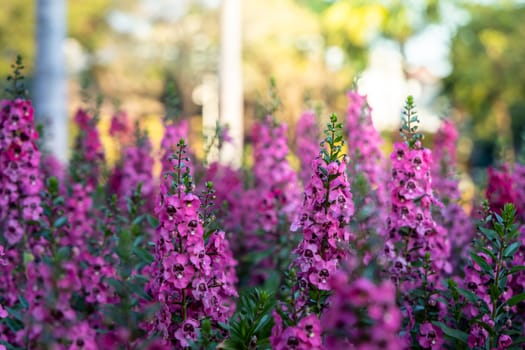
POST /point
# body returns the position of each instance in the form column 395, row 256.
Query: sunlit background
column 459, row 59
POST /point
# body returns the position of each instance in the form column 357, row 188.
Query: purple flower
column 3, row 312
column 477, row 336
column 187, row 332
column 361, row 314
column 178, row 271
column 430, row 336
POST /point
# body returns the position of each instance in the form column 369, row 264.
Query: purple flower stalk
column 323, row 216
column 453, row 218
column 20, row 184
column 194, row 278
column 20, row 175
column 361, row 314
column 274, row 196
column 89, row 152
column 364, row 144
column 137, row 167
column 411, row 232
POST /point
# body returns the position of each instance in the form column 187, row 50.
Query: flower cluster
column 271, row 170
column 274, row 197
column 410, row 222
column 453, row 217
column 326, row 210
column 305, row 335
column 486, row 306
column 20, row 203
column 88, row 155
column 307, row 137
column 417, row 249
column 499, row 187
column 20, row 177
column 361, row 315
column 229, row 204
column 364, row 144
column 119, row 125
column 518, row 179
column 411, row 232
column 137, row 168
column 194, row 278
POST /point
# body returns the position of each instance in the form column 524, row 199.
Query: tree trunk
column 231, row 95
column 50, row 76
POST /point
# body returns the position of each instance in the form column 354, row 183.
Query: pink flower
column 361, row 313
column 187, row 332
column 477, row 336
column 119, row 125
column 504, row 342
column 193, row 277
column 312, row 330
column 3, row 312
column 178, row 270
column 430, row 336
column 83, row 337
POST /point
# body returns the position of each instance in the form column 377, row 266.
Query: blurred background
column 459, row 59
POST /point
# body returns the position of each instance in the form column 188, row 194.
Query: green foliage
column 333, row 141
column 493, row 250
column 87, row 22
column 16, row 79
column 251, row 326
column 409, row 123
column 487, row 81
column 129, row 242
column 270, row 104
column 171, row 100
column 17, row 28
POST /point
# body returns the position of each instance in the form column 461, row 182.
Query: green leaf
column 489, row 253
column 116, row 285
column 511, row 249
column 61, row 221
column 485, row 267
column 515, row 269
column 516, row 299
column 23, row 301
column 452, row 333
column 470, row 296
column 490, row 234
column 62, row 253
column 273, row 281
column 143, row 255
column 138, row 220
column 52, row 185
column 13, row 324
column 58, row 201
column 9, row 346
column 15, row 313
column 154, row 223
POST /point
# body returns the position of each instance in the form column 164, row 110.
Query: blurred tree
column 353, row 25
column 17, row 27
column 87, row 22
column 488, row 79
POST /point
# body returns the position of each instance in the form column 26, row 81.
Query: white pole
column 231, row 95
column 210, row 114
column 50, row 76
